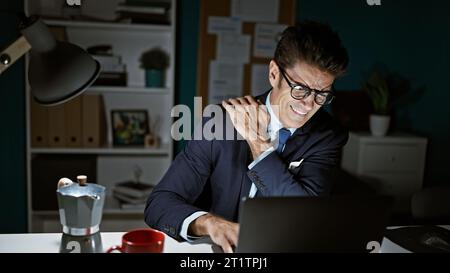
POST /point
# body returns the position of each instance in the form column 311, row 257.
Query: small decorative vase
column 154, row 78
column 379, row 125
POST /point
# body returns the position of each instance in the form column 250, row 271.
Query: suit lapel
column 262, row 98
column 296, row 143
column 294, row 147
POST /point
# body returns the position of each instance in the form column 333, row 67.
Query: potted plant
column 155, row 61
column 377, row 89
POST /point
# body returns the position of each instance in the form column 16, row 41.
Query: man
column 290, row 144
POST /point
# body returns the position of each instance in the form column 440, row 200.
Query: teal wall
column 187, row 44
column 410, row 38
column 13, row 206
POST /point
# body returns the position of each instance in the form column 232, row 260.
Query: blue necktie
column 283, row 136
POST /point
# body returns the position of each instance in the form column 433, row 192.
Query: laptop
column 313, row 224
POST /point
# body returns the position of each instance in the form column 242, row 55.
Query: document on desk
column 421, row 239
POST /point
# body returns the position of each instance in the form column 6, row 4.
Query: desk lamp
column 58, row 71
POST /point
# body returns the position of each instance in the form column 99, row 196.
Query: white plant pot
column 379, row 125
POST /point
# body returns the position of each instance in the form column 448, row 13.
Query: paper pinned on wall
column 218, row 25
column 260, row 79
column 256, row 10
column 225, row 81
column 232, row 48
column 266, row 39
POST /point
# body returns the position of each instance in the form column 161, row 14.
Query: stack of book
column 131, row 194
column 113, row 71
column 144, row 12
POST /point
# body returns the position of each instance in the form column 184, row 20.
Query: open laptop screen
column 312, row 224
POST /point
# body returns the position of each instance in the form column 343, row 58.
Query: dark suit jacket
column 213, row 175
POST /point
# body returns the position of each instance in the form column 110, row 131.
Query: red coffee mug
column 141, row 241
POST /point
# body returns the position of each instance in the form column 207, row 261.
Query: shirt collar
column 275, row 125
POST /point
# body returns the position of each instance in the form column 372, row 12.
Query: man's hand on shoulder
column 251, row 120
column 222, row 232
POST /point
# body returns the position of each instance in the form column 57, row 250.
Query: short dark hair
column 314, row 43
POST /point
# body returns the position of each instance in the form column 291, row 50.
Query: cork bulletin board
column 208, row 42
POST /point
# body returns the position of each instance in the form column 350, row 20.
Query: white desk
column 50, row 243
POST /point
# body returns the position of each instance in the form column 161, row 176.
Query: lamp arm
column 13, row 52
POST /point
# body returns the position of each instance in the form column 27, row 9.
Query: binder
column 93, row 121
column 38, row 124
column 56, row 126
column 73, row 122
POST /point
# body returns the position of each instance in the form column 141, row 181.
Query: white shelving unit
column 162, row 150
column 392, row 165
column 128, row 90
column 114, row 164
column 111, row 26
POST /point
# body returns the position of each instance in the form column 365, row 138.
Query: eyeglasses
column 300, row 91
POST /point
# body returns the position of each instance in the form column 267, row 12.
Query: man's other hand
column 222, row 232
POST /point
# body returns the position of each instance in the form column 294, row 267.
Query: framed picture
column 130, row 127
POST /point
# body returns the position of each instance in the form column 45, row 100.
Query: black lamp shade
column 61, row 74
column 58, row 71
